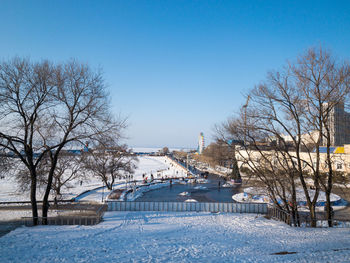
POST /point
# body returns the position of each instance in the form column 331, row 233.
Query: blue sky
column 174, row 68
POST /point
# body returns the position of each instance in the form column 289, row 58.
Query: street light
column 245, row 118
column 187, row 164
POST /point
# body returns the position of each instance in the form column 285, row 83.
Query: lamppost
column 187, row 164
column 245, row 118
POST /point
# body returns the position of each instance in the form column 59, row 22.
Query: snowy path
column 176, row 237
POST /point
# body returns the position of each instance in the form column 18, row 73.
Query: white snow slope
column 176, row 237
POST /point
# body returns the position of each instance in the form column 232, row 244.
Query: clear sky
column 174, row 68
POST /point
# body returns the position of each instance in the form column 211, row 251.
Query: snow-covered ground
column 176, row 237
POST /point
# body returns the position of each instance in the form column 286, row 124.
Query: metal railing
column 278, row 214
column 187, row 207
column 304, row 219
column 64, row 220
column 69, row 220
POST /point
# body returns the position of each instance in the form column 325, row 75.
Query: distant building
column 201, row 144
column 339, row 122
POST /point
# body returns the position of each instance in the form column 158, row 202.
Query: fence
column 279, row 214
column 187, row 207
column 304, row 218
column 65, row 220
column 69, row 220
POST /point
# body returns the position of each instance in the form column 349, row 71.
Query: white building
column 201, row 144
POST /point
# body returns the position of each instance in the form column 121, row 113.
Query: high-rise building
column 201, row 144
column 339, row 128
column 339, row 123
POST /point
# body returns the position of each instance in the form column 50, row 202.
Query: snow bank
column 143, row 189
column 176, row 237
column 260, row 195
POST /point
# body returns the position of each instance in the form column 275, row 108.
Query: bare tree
column 271, row 165
column 110, row 163
column 83, row 113
column 165, row 150
column 325, row 83
column 221, row 153
column 68, row 168
column 5, row 163
column 291, row 111
column 25, row 95
column 46, row 107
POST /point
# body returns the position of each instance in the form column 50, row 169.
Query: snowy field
column 176, row 237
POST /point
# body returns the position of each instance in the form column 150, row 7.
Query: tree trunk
column 295, row 212
column 313, row 215
column 112, row 182
column 329, row 210
column 33, row 198
column 46, row 204
column 329, row 184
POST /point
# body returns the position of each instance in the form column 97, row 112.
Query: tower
column 200, row 143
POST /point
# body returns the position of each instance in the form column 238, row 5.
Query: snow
column 9, row 190
column 191, row 200
column 176, row 237
column 262, row 195
column 199, row 187
column 9, row 215
column 139, row 192
column 151, row 164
